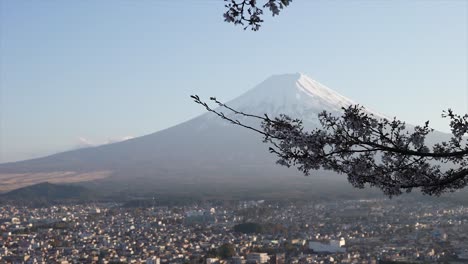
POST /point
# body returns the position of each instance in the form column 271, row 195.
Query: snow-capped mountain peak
column 296, row 95
column 315, row 89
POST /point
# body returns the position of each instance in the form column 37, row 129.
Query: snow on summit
column 296, row 95
column 315, row 89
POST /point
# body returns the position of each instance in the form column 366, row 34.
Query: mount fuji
column 205, row 154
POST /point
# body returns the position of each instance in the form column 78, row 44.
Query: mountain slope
column 47, row 192
column 205, row 152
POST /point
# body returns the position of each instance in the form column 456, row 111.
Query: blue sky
column 104, row 70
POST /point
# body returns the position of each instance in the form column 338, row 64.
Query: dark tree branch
column 378, row 152
column 250, row 13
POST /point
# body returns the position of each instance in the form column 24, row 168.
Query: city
column 354, row 231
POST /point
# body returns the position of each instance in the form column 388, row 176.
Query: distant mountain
column 47, row 192
column 205, row 155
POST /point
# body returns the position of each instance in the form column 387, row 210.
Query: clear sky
column 73, row 72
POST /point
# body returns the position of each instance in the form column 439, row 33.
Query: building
column 257, row 258
column 333, row 246
column 237, row 260
column 279, row 258
column 212, row 260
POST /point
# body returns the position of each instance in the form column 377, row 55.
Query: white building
column 333, row 246
column 257, row 258
column 342, row 242
column 212, row 260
